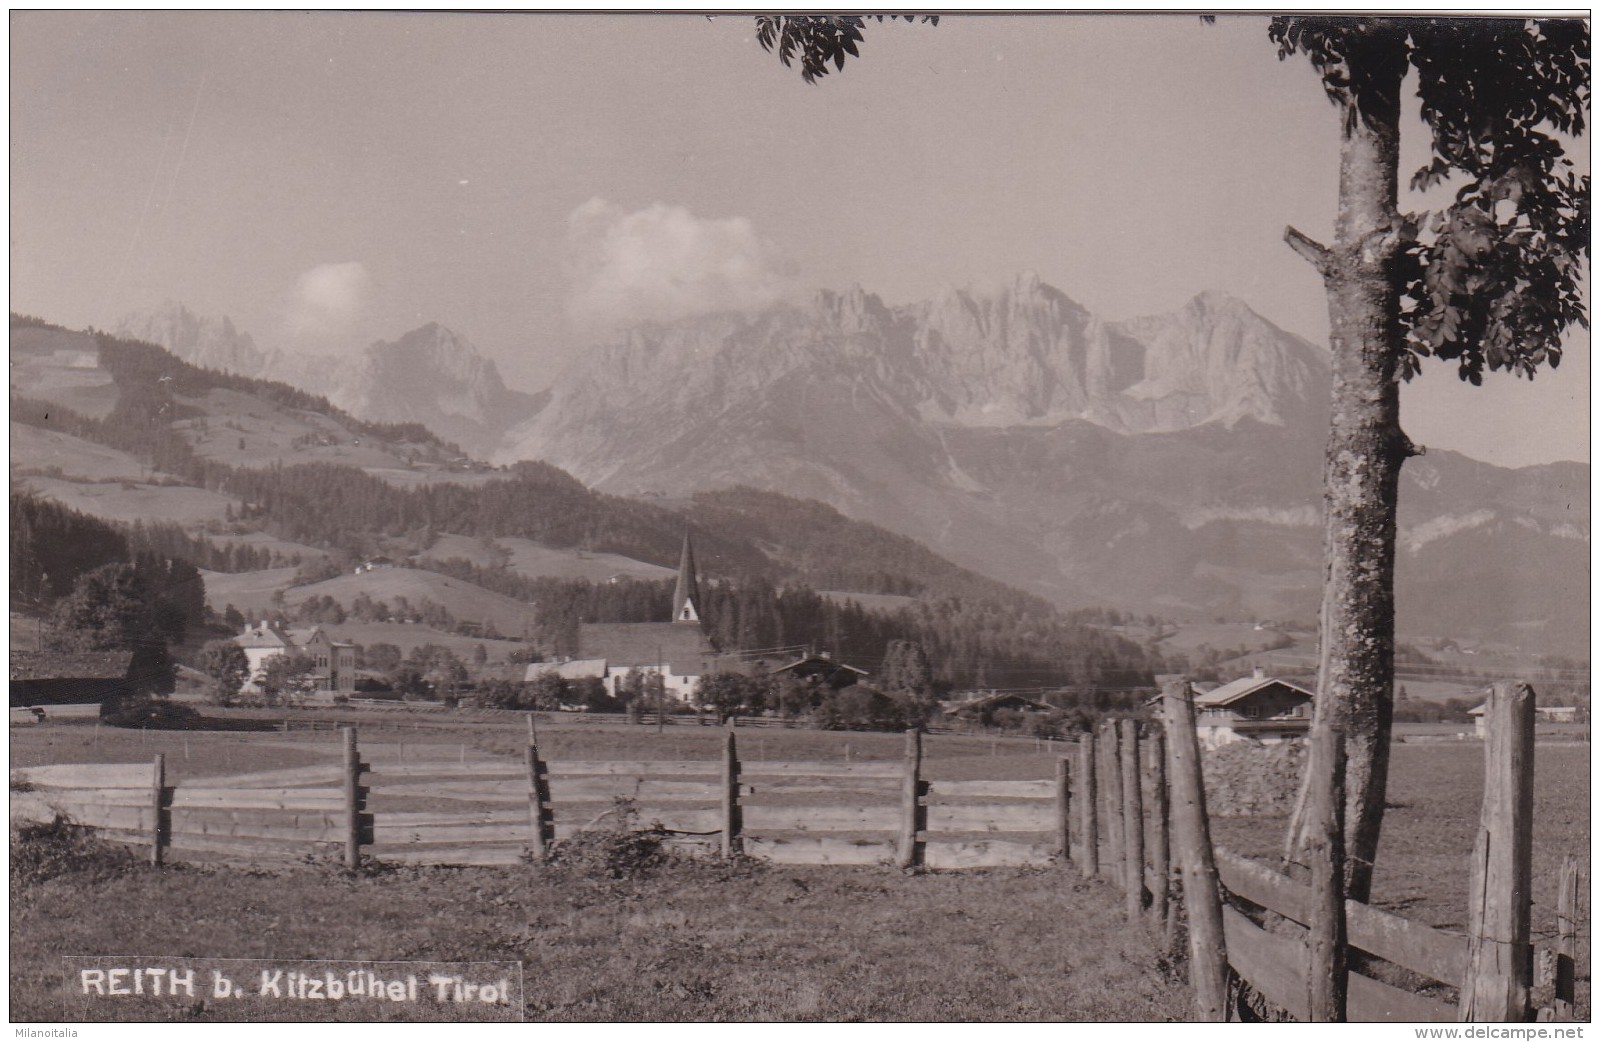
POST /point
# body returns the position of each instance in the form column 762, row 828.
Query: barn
column 51, row 678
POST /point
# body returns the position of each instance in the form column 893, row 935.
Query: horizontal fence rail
column 503, row 811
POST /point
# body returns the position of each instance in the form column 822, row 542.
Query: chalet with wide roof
column 1257, row 708
column 821, row 669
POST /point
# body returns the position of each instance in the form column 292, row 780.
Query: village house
column 333, row 662
column 1257, row 708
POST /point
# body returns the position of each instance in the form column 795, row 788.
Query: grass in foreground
column 683, row 941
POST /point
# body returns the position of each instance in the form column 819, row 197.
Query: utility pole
column 661, row 694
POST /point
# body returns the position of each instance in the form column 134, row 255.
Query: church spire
column 686, row 596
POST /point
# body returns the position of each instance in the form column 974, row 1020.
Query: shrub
column 613, row 850
column 153, row 713
column 41, row 852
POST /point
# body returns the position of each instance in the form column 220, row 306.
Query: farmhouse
column 821, row 669
column 983, row 709
column 1257, row 708
column 44, row 678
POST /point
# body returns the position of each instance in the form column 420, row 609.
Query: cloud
column 664, row 263
column 328, row 302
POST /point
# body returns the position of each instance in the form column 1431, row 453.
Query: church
column 677, row 650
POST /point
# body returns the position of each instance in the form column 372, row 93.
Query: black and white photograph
column 579, row 518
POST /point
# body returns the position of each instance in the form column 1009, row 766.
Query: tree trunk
column 1361, row 470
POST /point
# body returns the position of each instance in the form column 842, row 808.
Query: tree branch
column 1316, row 254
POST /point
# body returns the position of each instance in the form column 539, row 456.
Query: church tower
column 686, row 596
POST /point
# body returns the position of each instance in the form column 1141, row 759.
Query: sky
column 534, row 181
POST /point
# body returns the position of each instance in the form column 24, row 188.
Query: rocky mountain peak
column 213, row 343
column 433, row 352
column 852, row 311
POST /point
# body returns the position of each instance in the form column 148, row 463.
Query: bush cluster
column 41, row 852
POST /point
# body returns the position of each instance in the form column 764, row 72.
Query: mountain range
column 1169, row 463
column 431, row 375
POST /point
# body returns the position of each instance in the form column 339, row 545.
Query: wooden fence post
column 1064, row 809
column 1567, row 935
column 1208, row 951
column 352, row 801
column 1160, row 846
column 913, row 815
column 1132, row 822
column 1111, row 765
column 1499, row 948
column 158, row 801
column 541, row 831
column 1327, row 980
column 1088, row 798
column 731, row 825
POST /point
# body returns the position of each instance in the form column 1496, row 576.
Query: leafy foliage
column 287, row 678
column 1496, row 278
column 225, row 662
column 817, row 40
column 728, row 693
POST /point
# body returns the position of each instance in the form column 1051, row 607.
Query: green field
column 709, row 941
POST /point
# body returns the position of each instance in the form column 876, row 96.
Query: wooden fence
column 1282, row 935
column 499, row 812
column 1094, row 815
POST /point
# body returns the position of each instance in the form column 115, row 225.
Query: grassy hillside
column 246, row 430
column 468, row 603
column 531, row 559
column 127, row 501
column 60, row 366
column 38, row 451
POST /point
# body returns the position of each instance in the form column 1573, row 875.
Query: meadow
column 707, row 941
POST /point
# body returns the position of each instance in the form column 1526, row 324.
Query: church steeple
column 686, row 596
